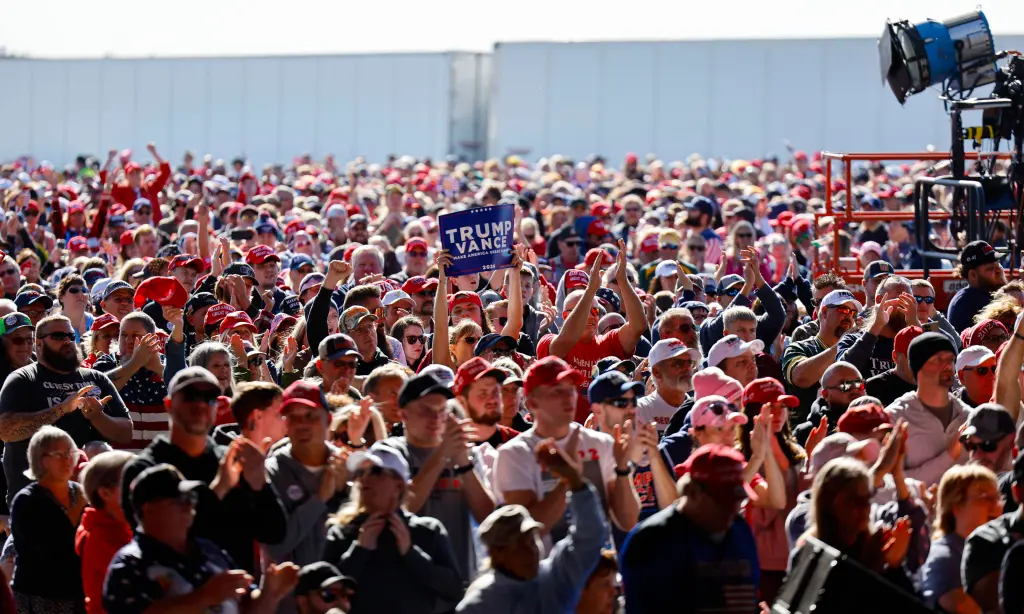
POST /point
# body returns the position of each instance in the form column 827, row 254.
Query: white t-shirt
column 653, row 408
column 516, row 468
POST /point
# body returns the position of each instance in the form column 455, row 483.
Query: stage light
column 959, row 52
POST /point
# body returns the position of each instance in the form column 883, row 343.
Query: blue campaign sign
column 478, row 239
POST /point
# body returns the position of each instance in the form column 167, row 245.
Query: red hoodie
column 98, row 539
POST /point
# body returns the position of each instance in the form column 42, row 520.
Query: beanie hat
column 925, row 346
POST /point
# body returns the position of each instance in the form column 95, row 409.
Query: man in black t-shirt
column 82, row 402
column 898, row 381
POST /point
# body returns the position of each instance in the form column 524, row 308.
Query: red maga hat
column 166, row 291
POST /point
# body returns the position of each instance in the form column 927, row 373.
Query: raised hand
column 563, row 463
column 92, row 407
column 279, row 580
column 444, row 262
column 816, row 435
column 621, row 269
column 232, row 584
column 881, row 313
column 623, row 445
column 253, row 461
column 359, row 419
column 175, row 316
column 457, row 440
column 897, row 542
column 228, row 472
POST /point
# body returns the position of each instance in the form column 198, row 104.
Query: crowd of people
column 229, row 389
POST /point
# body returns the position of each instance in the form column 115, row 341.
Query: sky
column 127, row 28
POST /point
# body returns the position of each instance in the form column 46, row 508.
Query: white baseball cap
column 442, row 373
column 666, row 268
column 731, row 346
column 670, row 348
column 973, row 356
column 394, row 296
column 840, row 297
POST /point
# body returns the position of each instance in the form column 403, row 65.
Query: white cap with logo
column 731, row 346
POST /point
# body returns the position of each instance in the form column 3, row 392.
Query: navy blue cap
column 265, row 228
column 239, row 268
column 871, row 201
column 200, row 300
column 142, row 202
column 691, row 305
column 116, row 220
column 877, row 269
column 612, row 385
column 298, row 261
column 607, row 294
column 492, row 340
column 701, row 204
column 291, row 305
column 421, row 385
column 29, row 297
column 977, row 253
column 91, row 276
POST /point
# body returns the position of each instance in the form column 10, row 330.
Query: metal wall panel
column 268, row 109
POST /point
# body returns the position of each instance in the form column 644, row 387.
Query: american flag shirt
column 144, row 396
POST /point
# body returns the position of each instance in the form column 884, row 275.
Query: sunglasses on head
column 415, row 339
column 982, row 446
column 928, row 300
column 622, row 403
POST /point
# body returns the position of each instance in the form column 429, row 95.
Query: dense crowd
column 228, row 389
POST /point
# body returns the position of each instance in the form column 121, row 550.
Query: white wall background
column 268, row 109
column 721, row 98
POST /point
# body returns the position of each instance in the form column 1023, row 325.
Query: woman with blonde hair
column 129, row 269
column 1003, row 309
column 968, row 497
column 741, row 237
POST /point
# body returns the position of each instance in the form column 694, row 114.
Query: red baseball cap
column 768, row 390
column 592, row 256
column 719, row 470
column 302, row 392
column 234, row 320
column 32, row 206
column 186, row 260
column 260, row 254
column 549, row 371
column 575, row 278
column 78, row 244
column 801, row 226
column 415, row 285
column 415, row 243
column 461, row 298
column 473, row 370
column 903, row 338
column 649, row 244
column 784, row 219
column 216, row 313
column 76, row 207
column 166, row 291
column 131, row 167
column 127, row 238
column 600, row 209
column 597, row 228
column 105, row 321
column 863, row 419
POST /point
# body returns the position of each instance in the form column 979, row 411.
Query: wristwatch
column 624, row 473
column 464, row 469
column 354, row 446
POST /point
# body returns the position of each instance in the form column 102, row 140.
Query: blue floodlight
column 959, row 51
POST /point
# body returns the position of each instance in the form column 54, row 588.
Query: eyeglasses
column 349, row 364
column 744, row 235
column 31, row 213
column 192, row 395
column 72, row 289
column 982, row 371
column 976, row 446
column 62, row 455
column 471, row 340
column 20, row 340
column 669, row 246
column 573, row 243
column 924, row 299
column 415, row 339
column 854, row 384
column 60, row 337
column 695, row 248
column 686, row 328
column 416, row 254
column 622, row 403
column 427, row 293
column 9, row 272
column 846, row 311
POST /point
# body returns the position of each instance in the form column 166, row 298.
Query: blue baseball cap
column 298, row 261
column 142, row 202
column 878, row 268
column 701, row 204
column 612, row 385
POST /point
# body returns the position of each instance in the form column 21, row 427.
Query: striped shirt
column 144, row 396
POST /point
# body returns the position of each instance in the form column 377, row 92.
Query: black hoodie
column 818, row 409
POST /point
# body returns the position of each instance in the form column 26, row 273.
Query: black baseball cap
column 610, row 363
column 421, row 385
column 240, row 268
column 200, row 300
column 976, row 254
column 162, row 481
column 13, row 321
column 335, row 346
column 989, row 422
column 878, row 268
column 702, row 205
column 320, row 575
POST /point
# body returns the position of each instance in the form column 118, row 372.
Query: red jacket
column 126, row 195
column 98, row 539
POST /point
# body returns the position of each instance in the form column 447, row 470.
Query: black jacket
column 235, row 523
column 818, row 409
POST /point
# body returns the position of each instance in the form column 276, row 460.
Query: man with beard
column 672, row 363
column 55, row 390
column 478, row 387
column 870, row 348
column 446, row 482
column 979, row 267
column 841, row 384
column 804, row 362
column 933, row 414
column 239, row 508
column 988, row 438
column 899, row 380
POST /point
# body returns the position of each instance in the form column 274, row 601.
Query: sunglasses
column 427, row 293
column 415, row 339
column 71, row 290
column 502, row 321
column 31, row 213
column 744, row 235
column 686, row 328
column 190, row 395
column 574, row 243
column 846, row 311
column 983, row 446
column 730, row 292
column 924, row 299
column 982, row 371
column 373, row 470
column 471, row 340
column 416, row 254
column 8, row 272
column 669, row 246
column 854, row 384
column 350, row 364
column 622, row 403
column 695, row 248
column 721, row 409
column 60, row 337
column 331, row 596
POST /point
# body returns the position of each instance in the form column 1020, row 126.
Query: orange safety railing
column 854, row 276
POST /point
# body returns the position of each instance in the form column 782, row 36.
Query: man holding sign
column 578, row 342
column 55, row 390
